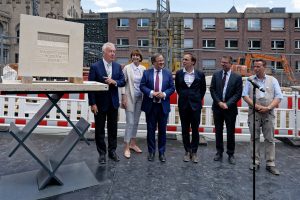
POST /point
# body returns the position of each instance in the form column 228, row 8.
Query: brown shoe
column 136, row 149
column 273, row 170
column 187, row 157
column 195, row 158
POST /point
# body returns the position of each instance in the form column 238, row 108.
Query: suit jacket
column 147, row 84
column 192, row 95
column 233, row 91
column 104, row 98
column 128, row 90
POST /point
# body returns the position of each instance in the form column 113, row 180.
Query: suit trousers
column 156, row 118
column 190, row 119
column 132, row 120
column 263, row 123
column 227, row 116
column 111, row 116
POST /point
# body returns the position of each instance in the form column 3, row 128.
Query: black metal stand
column 48, row 174
column 253, row 137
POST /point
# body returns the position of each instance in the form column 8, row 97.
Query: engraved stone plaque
column 50, row 48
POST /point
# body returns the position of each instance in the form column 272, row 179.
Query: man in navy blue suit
column 105, row 104
column 157, row 86
column 226, row 90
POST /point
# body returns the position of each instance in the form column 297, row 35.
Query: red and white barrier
column 20, row 108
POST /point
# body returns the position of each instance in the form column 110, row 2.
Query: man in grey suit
column 226, row 90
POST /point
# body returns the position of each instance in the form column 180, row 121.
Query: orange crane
column 244, row 64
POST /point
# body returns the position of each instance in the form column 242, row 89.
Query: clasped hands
column 261, row 109
column 159, row 95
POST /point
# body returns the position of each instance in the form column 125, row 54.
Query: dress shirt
column 137, row 76
column 108, row 68
column 226, row 82
column 189, row 77
column 160, row 82
column 261, row 83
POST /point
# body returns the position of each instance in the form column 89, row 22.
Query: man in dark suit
column 105, row 104
column 226, row 90
column 191, row 86
column 157, row 86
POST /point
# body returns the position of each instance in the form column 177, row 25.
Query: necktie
column 156, row 86
column 224, row 80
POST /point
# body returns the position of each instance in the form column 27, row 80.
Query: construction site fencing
column 21, row 108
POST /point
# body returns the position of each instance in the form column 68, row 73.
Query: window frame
column 274, row 45
column 206, row 43
column 143, row 39
column 120, row 44
column 188, row 27
column 205, row 25
column 228, row 23
column 297, row 23
column 297, row 44
column 188, row 47
column 120, row 23
column 275, row 28
column 250, row 47
column 140, row 25
column 252, row 27
column 228, row 42
column 209, row 68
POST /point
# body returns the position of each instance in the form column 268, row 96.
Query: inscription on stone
column 52, row 48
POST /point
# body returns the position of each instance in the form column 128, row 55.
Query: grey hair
column 106, row 45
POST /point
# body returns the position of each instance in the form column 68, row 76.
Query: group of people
column 149, row 90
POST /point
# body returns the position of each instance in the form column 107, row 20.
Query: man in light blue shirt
column 264, row 116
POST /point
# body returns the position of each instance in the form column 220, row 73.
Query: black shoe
column 162, row 157
column 273, row 170
column 218, row 157
column 231, row 159
column 151, row 156
column 102, row 159
column 114, row 156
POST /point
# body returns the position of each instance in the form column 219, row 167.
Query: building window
column 209, row 64
column 209, row 43
column 188, row 24
column 276, row 65
column 277, row 44
column 123, row 22
column 254, row 24
column 143, row 43
column 231, row 43
column 122, row 42
column 143, row 22
column 188, row 43
column 1, row 29
column 297, row 23
column 231, row 24
column 277, row 24
column 208, row 24
column 297, row 66
column 297, row 44
column 254, row 44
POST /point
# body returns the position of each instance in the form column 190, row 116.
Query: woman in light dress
column 132, row 100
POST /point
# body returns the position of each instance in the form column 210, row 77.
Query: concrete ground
column 137, row 178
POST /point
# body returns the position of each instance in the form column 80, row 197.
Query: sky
column 193, row 6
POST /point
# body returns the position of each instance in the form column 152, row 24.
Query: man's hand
column 110, row 81
column 223, row 105
column 159, row 95
column 94, row 109
column 261, row 109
